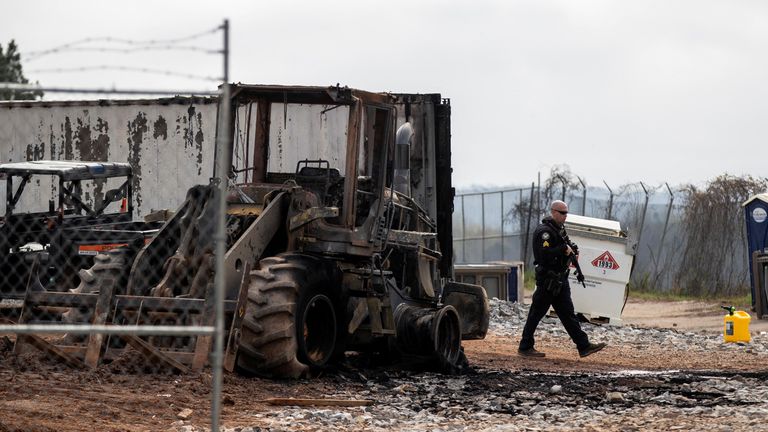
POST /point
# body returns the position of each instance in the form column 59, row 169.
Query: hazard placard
column 605, row 261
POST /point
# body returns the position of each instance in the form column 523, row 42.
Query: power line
column 125, row 68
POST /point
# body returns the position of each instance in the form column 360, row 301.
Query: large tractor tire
column 291, row 323
column 111, row 267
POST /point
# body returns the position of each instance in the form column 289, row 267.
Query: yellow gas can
column 736, row 327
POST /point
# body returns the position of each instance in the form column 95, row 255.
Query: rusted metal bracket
column 203, row 343
column 311, row 214
column 196, row 226
column 379, row 326
column 252, row 243
column 230, row 352
column 49, row 349
column 360, row 313
column 152, row 354
column 100, row 315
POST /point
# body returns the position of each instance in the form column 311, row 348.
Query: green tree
column 11, row 72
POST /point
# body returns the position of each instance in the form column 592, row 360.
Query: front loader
column 338, row 239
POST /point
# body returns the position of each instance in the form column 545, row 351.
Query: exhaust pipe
column 402, row 180
column 432, row 333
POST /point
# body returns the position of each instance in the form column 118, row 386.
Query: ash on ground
column 509, row 400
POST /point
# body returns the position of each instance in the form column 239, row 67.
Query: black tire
column 291, row 320
column 108, row 268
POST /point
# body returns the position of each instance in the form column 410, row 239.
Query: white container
column 503, row 280
column 606, row 259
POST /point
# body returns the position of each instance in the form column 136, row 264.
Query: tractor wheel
column 291, row 321
column 108, row 268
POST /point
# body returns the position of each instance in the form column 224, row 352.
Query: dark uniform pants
column 563, row 305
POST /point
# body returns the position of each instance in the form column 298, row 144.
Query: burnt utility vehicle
column 338, row 239
column 48, row 218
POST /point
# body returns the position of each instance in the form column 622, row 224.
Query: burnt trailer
column 168, row 142
column 338, row 238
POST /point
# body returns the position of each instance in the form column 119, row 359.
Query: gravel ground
column 489, row 399
column 647, row 379
column 508, row 319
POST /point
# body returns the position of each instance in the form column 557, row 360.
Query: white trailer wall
column 300, row 132
column 168, row 142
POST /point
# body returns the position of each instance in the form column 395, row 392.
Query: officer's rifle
column 579, row 273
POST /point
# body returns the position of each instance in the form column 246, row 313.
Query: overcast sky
column 621, row 91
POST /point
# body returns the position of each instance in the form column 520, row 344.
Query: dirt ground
column 36, row 395
column 694, row 315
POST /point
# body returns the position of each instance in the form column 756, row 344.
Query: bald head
column 558, row 205
column 559, row 210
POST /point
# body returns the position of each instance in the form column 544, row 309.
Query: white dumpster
column 606, row 259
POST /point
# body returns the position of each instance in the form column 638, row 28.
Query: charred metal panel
column 249, row 154
column 431, row 183
column 420, row 111
column 168, row 142
column 445, row 191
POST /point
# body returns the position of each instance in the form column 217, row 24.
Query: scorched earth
column 646, row 379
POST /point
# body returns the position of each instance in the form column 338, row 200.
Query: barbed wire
column 139, row 45
column 113, row 90
column 128, row 69
column 143, row 48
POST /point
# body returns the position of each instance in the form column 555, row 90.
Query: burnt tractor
column 338, row 239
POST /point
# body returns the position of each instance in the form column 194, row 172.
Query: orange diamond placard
column 605, row 261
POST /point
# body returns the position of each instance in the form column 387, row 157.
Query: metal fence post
column 666, row 224
column 642, row 218
column 463, row 233
column 501, row 193
column 528, row 227
column 564, row 184
column 538, row 195
column 482, row 240
column 610, row 199
column 224, row 150
column 224, row 162
column 583, row 196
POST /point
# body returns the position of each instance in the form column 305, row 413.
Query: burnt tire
column 290, row 324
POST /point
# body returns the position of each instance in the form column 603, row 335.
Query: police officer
column 551, row 251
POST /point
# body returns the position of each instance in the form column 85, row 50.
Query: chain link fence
column 108, row 250
column 493, row 226
column 113, row 229
column 669, row 257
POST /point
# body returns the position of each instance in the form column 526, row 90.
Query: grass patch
column 529, row 282
column 740, row 302
column 643, row 291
